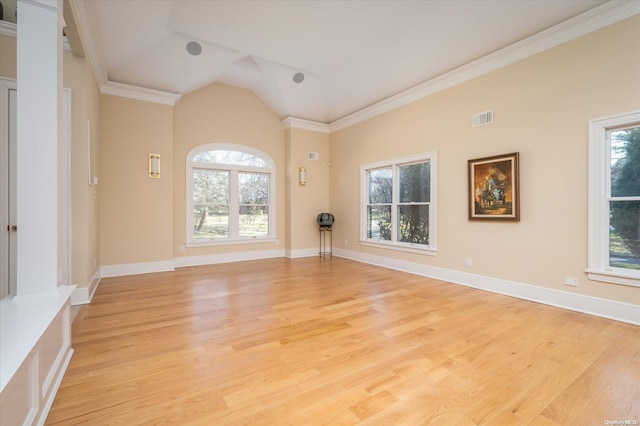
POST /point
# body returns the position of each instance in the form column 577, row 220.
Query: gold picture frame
column 494, row 188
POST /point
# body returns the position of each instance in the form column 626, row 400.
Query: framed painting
column 494, row 192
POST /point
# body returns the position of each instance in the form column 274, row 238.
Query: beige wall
column 542, row 107
column 305, row 202
column 136, row 212
column 219, row 113
column 8, row 57
column 85, row 261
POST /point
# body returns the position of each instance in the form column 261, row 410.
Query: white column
column 39, row 78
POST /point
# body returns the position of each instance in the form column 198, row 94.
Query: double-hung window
column 230, row 193
column 399, row 203
column 614, row 199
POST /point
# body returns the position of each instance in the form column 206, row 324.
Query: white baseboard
column 211, row 259
column 83, row 295
column 136, row 268
column 619, row 311
column 309, row 252
column 181, row 262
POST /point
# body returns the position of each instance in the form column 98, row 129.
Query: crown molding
column 10, row 29
column 587, row 22
column 140, row 93
column 299, row 123
column 88, row 33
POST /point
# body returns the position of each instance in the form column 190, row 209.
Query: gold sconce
column 154, row 166
column 302, row 176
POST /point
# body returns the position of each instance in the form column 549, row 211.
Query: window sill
column 213, row 243
column 613, row 277
column 396, row 247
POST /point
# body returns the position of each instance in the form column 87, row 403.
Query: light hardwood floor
column 313, row 342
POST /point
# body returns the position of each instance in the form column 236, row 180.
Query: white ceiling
column 352, row 53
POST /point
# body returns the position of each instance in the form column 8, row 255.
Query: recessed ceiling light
column 298, row 77
column 194, row 48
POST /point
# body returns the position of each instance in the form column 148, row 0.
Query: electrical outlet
column 468, row 261
column 346, row 242
column 573, row 282
column 182, row 248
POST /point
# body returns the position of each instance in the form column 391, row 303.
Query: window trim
column 599, row 183
column 190, row 165
column 395, row 163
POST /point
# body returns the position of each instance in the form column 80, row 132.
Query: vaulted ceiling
column 351, row 54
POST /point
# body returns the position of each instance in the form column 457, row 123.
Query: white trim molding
column 83, row 295
column 610, row 309
column 140, row 93
column 298, row 253
column 212, row 259
column 299, row 123
column 29, row 375
column 599, row 268
column 136, row 268
column 585, row 23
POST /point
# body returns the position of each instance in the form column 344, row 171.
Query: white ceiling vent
column 482, row 118
column 313, row 156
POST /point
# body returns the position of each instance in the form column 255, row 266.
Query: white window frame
column 234, row 169
column 394, row 164
column 599, row 197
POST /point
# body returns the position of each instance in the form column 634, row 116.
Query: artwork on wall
column 494, row 188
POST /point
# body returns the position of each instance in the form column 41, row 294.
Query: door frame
column 7, row 243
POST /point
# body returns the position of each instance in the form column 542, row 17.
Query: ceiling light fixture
column 298, row 77
column 194, row 48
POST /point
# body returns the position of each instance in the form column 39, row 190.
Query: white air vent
column 482, row 118
column 313, row 156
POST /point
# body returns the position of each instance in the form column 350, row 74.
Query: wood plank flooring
column 331, row 341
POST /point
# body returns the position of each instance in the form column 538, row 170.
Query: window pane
column 415, row 183
column 210, row 222
column 253, row 188
column 379, row 222
column 625, row 163
column 624, row 234
column 254, row 221
column 237, row 158
column 210, row 186
column 413, row 224
column 380, row 186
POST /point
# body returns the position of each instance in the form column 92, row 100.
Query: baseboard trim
column 83, row 295
column 309, row 252
column 212, row 259
column 610, row 309
column 136, row 268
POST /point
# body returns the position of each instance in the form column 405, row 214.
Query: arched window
column 230, row 195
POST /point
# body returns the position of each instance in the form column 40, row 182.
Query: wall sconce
column 154, row 166
column 302, row 176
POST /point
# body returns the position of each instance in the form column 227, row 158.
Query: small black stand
column 323, row 241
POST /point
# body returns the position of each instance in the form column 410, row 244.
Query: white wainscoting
column 35, row 337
